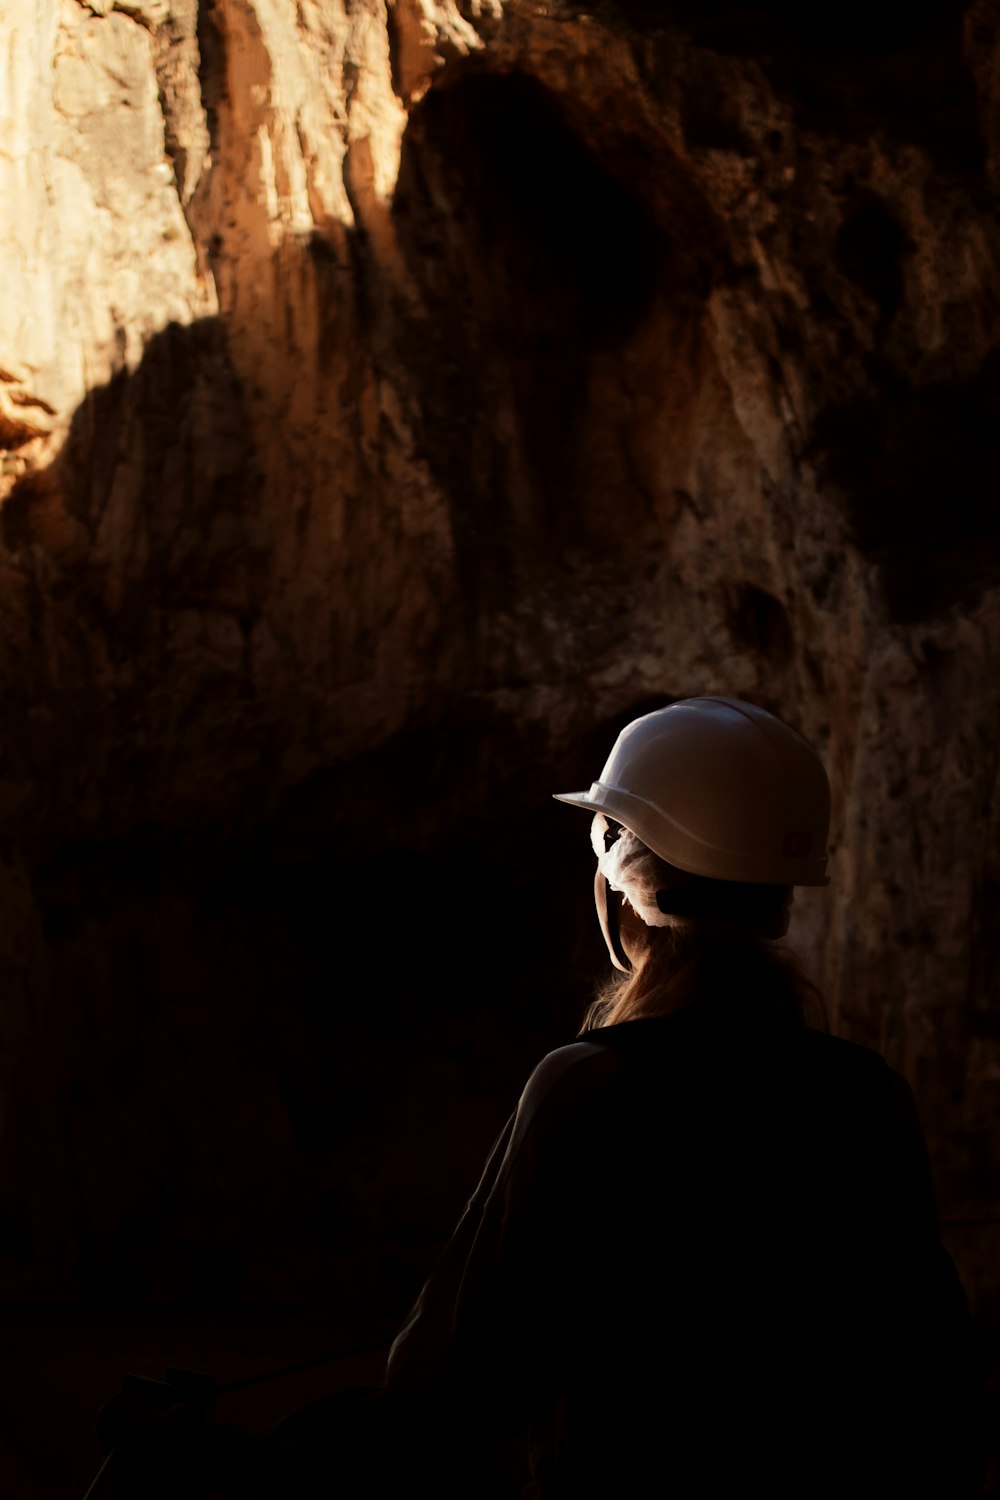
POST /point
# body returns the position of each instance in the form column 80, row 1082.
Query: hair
column 723, row 953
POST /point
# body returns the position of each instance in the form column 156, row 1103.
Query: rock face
column 396, row 396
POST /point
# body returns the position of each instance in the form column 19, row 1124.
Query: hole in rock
column 869, row 249
column 916, row 470
column 759, row 622
column 533, row 259
column 546, row 218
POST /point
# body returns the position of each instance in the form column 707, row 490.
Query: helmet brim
column 578, row 799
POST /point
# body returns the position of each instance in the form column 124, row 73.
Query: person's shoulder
column 579, row 1065
column 852, row 1064
column 566, row 1079
column 839, row 1052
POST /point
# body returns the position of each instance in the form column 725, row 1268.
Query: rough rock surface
column 396, row 395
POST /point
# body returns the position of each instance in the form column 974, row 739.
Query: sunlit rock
column 394, row 397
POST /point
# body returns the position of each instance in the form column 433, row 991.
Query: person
column 702, row 1259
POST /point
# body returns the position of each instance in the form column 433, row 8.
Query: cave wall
column 395, row 398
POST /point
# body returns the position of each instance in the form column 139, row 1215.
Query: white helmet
column 721, row 788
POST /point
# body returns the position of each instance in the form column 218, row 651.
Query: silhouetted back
column 702, row 1257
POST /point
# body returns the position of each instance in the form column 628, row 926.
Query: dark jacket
column 702, row 1261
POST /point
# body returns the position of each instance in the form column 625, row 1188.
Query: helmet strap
column 609, row 905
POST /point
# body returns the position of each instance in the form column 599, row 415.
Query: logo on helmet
column 797, row 845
